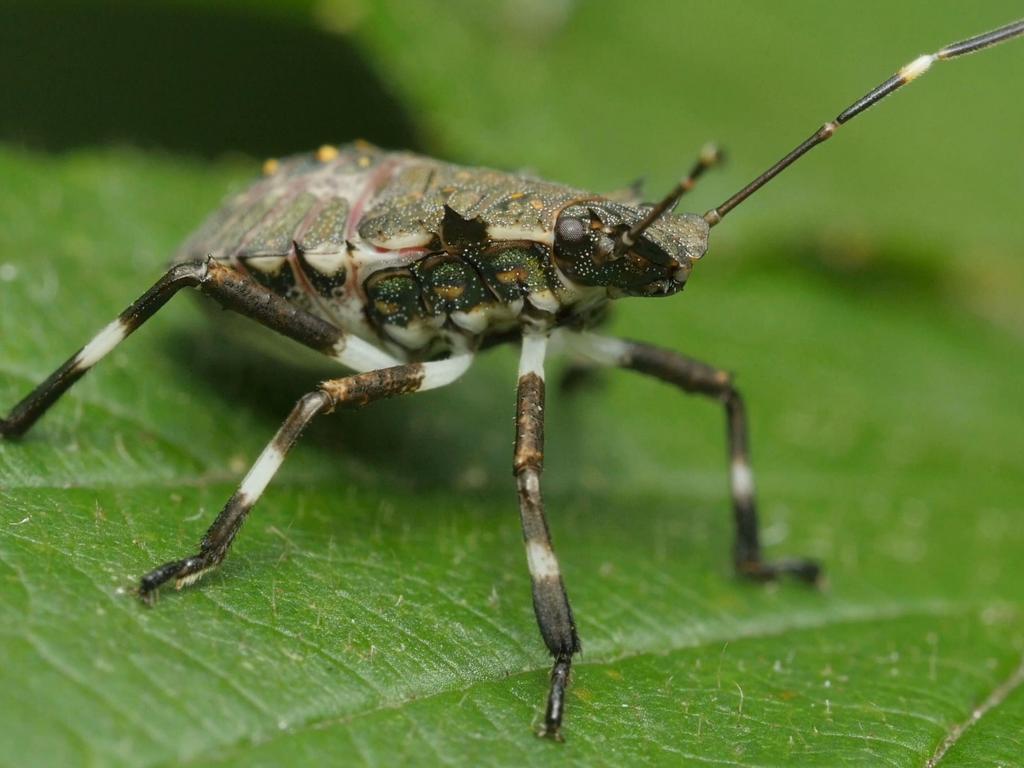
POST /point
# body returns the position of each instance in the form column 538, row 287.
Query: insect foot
column 552, row 728
column 215, row 544
column 351, row 391
column 184, row 572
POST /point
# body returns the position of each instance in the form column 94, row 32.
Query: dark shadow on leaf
column 459, row 437
column 185, row 79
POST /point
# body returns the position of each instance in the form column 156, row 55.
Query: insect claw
column 553, row 732
column 150, row 584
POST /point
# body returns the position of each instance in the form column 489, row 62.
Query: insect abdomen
column 478, row 292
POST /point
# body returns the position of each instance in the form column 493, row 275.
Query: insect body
column 401, row 268
column 418, row 257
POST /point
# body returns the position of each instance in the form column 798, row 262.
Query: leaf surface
column 376, row 606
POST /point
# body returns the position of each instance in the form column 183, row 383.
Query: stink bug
column 402, row 268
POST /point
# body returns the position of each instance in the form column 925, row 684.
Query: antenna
column 910, row 72
column 710, row 155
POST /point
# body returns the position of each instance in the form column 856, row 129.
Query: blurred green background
column 376, row 608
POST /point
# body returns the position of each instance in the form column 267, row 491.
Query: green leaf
column 376, row 608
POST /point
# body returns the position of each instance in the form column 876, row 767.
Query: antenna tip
column 711, row 154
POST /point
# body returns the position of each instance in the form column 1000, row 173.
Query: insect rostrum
column 401, row 268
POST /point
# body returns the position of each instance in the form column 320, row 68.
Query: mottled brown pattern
column 530, row 423
column 686, row 373
column 274, row 210
column 413, row 200
column 365, row 388
column 276, row 231
column 238, row 292
column 324, row 231
column 550, row 600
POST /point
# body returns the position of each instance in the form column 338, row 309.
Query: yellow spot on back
column 364, row 161
column 326, row 153
column 271, row 166
column 516, row 195
column 449, row 291
column 516, row 274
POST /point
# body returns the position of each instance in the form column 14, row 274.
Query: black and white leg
column 700, row 378
column 352, row 392
column 228, row 287
column 550, row 601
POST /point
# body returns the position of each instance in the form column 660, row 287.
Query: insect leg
column 550, row 601
column 350, row 392
column 231, row 289
column 696, row 377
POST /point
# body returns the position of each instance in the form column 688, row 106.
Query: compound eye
column 571, row 231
